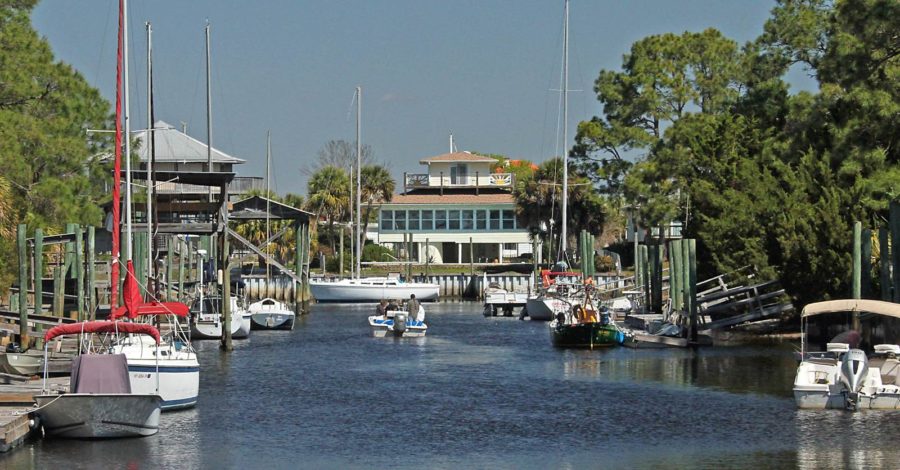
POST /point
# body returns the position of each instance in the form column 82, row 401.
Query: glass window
column 413, row 220
column 387, row 220
column 399, row 220
column 440, row 220
column 468, row 220
column 495, row 220
column 509, row 220
column 481, row 220
column 453, row 220
column 427, row 220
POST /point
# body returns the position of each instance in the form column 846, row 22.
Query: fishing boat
column 399, row 324
column 268, row 313
column 100, row 402
column 206, row 318
column 844, row 376
column 31, row 362
column 584, row 325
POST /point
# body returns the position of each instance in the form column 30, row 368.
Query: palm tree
column 329, row 196
column 377, row 186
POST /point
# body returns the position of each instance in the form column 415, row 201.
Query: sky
column 489, row 71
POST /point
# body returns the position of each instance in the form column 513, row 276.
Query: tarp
column 100, row 326
column 100, row 373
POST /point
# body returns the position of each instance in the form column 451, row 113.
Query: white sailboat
column 268, row 313
column 370, row 289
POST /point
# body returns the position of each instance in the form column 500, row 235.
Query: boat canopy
column 102, row 326
column 877, row 307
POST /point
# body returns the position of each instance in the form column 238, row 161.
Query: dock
column 16, row 405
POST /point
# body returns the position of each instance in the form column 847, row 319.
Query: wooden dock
column 16, row 403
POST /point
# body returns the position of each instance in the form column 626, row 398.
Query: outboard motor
column 399, row 322
column 854, row 366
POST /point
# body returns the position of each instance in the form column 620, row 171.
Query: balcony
column 442, row 180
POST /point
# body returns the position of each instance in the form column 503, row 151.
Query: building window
column 510, row 246
column 427, row 220
column 413, row 220
column 481, row 220
column 453, row 220
column 509, row 220
column 468, row 220
column 440, row 220
column 387, row 220
column 399, row 220
column 495, row 220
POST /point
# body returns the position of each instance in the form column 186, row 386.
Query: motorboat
column 271, row 314
column 497, row 298
column 100, row 402
column 583, row 325
column 31, row 362
column 844, row 376
column 207, row 321
column 557, row 295
column 398, row 323
column 371, row 289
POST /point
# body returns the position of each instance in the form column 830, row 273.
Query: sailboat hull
column 365, row 290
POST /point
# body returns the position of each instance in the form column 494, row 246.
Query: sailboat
column 268, row 313
column 369, row 289
column 102, row 402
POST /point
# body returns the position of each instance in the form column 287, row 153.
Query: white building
column 459, row 201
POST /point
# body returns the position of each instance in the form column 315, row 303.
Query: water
column 484, row 393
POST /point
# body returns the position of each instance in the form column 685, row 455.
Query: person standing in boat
column 412, row 307
column 381, row 309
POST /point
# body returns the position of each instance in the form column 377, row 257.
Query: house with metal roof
column 461, row 200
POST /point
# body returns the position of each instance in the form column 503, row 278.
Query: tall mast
column 359, row 228
column 128, row 241
column 117, row 170
column 208, row 111
column 268, row 157
column 565, row 93
column 149, row 143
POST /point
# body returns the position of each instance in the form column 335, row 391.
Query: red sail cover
column 135, row 305
column 101, row 326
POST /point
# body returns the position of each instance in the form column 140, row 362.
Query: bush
column 377, row 253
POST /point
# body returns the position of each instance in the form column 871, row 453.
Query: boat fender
column 620, row 337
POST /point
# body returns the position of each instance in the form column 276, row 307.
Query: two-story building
column 459, row 201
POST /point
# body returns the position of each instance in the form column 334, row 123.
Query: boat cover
column 100, row 373
column 852, row 305
column 101, row 326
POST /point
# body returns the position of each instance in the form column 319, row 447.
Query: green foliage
column 49, row 162
column 377, row 253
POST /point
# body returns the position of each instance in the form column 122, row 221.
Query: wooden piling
column 884, row 264
column 91, row 273
column 58, row 291
column 645, row 274
column 23, row 285
column 79, row 272
column 38, row 273
column 895, row 247
column 692, row 286
column 182, row 250
column 471, row 257
column 676, row 283
column 866, row 248
column 226, row 295
column 856, row 271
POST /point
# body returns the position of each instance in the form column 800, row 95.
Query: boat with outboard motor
column 844, row 376
column 399, row 323
column 100, row 402
column 583, row 324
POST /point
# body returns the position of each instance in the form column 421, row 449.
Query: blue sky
column 485, row 70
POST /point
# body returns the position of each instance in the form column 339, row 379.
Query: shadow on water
column 484, row 393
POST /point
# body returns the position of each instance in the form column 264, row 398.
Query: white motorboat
column 270, row 314
column 371, row 289
column 557, row 295
column 843, row 376
column 100, row 402
column 207, row 320
column 398, row 323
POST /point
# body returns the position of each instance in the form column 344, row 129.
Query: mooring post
column 471, row 258
column 867, row 263
column 91, row 272
column 38, row 274
column 298, row 265
column 170, row 251
column 79, row 272
column 692, row 270
column 675, row 282
column 22, row 248
column 645, row 275
column 427, row 257
column 58, row 291
column 226, row 295
column 655, row 279
column 69, row 269
column 340, row 255
column 687, row 300
column 182, row 248
column 856, row 271
column 884, row 264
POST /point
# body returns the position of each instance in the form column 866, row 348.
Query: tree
column 329, row 197
column 377, row 186
column 340, row 154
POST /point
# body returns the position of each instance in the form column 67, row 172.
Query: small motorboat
column 270, row 314
column 844, row 376
column 31, row 362
column 398, row 323
column 100, row 402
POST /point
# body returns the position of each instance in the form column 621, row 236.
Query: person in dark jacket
column 412, row 307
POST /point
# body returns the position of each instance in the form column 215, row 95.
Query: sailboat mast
column 117, row 169
column 128, row 238
column 208, row 110
column 359, row 228
column 565, row 92
column 268, row 157
column 149, row 143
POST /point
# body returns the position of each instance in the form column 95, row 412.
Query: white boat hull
column 817, row 387
column 270, row 314
column 99, row 416
column 212, row 329
column 179, row 371
column 544, row 308
column 382, row 327
column 352, row 290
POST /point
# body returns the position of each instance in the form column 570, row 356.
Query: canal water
column 484, row 393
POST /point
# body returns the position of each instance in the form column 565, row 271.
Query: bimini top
column 102, row 326
column 877, row 307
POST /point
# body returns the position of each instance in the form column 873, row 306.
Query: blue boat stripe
column 183, row 370
column 179, row 403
